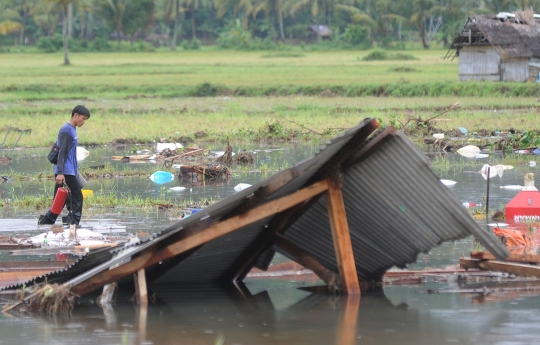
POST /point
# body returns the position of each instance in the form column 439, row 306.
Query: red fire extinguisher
column 59, row 201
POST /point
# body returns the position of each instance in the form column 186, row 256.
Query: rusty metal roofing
column 396, row 208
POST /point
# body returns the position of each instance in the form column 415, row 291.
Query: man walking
column 66, row 169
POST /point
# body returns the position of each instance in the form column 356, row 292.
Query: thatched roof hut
column 503, row 47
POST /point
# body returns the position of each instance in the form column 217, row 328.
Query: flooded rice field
column 435, row 310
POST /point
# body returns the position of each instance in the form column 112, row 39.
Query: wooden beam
column 141, row 293
column 279, row 224
column 266, row 191
column 153, row 255
column 517, row 269
column 306, row 260
column 500, row 266
column 532, row 258
column 342, row 239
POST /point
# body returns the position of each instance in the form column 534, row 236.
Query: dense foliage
column 87, row 25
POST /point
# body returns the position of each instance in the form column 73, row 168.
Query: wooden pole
column 342, row 239
column 141, row 294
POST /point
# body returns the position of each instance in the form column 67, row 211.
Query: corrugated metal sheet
column 396, row 208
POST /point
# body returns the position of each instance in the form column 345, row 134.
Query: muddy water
column 275, row 312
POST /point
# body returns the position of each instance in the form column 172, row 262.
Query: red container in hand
column 59, row 201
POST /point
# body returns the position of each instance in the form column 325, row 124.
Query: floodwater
column 271, row 311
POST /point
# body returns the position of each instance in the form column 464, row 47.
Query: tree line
column 235, row 22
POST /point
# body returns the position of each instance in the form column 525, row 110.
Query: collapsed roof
column 395, row 208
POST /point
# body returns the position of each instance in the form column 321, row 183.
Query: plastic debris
column 171, row 146
column 82, row 153
column 177, row 189
column 241, row 186
column 87, row 193
column 512, row 186
column 522, row 152
column 448, row 182
column 62, row 239
column 482, row 155
column 469, row 151
column 162, row 177
column 471, row 204
column 532, row 163
column 463, row 130
column 438, row 135
column 536, row 151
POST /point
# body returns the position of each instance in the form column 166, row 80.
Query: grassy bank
column 278, row 118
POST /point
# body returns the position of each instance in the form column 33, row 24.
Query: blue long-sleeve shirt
column 67, row 154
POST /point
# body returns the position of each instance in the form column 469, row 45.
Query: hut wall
column 516, row 69
column 534, row 68
column 479, row 63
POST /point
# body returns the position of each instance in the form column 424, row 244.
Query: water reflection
column 211, row 315
column 275, row 312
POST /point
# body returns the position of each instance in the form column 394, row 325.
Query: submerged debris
column 198, row 173
column 244, row 158
column 50, row 299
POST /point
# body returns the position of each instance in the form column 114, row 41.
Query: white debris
column 241, row 186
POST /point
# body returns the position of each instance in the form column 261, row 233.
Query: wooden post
column 141, row 294
column 342, row 238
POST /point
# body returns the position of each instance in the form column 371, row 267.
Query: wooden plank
column 237, row 222
column 500, row 266
column 245, row 262
column 18, row 277
column 513, row 268
column 342, row 239
column 532, row 258
column 141, row 293
column 153, row 255
column 469, row 263
column 279, row 224
column 306, row 260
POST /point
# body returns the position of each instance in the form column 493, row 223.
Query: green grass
column 113, row 75
column 259, row 118
column 214, row 95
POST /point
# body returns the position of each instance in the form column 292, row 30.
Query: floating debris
column 241, row 186
column 469, row 151
column 244, row 158
column 448, row 182
column 201, row 172
column 82, row 153
column 512, row 186
column 171, row 146
column 161, row 177
column 177, row 189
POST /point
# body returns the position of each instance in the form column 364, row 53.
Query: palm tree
column 114, row 12
column 9, row 19
column 241, row 9
column 64, row 5
column 193, row 5
column 422, row 11
column 274, row 6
